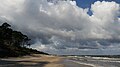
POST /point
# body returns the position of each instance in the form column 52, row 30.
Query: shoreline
column 39, row 60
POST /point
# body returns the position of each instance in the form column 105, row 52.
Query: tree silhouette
column 14, row 43
column 12, row 38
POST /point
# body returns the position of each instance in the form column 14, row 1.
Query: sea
column 95, row 61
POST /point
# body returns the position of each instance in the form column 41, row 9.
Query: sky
column 87, row 3
column 81, row 27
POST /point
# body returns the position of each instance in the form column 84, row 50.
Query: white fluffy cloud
column 63, row 26
column 106, row 15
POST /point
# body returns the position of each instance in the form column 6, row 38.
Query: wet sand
column 68, row 63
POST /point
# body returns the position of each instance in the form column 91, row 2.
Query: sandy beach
column 38, row 60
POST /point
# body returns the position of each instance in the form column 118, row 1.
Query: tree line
column 10, row 37
column 14, row 43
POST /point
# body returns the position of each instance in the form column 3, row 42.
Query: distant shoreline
column 109, row 56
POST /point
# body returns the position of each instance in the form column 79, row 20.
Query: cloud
column 63, row 26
